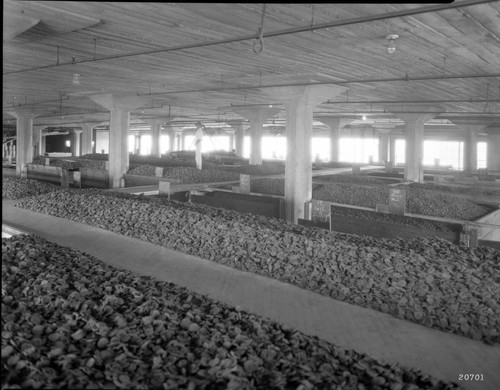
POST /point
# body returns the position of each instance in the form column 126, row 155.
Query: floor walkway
column 380, row 335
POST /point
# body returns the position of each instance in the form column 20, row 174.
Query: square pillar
column 383, row 145
column 155, row 135
column 38, row 140
column 239, row 134
column 86, row 144
column 414, row 117
column 470, row 145
column 198, row 143
column 24, row 140
column 75, row 148
column 171, row 138
column 256, row 115
column 493, row 151
column 119, row 108
column 335, row 124
column 299, row 102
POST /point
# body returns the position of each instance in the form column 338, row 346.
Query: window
column 358, row 150
column 274, row 147
column 444, row 154
column 320, row 147
column 164, row 138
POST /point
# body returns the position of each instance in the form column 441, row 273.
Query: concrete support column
column 38, row 140
column 335, row 124
column 178, row 141
column 414, row 136
column 470, row 148
column 87, row 138
column 414, row 118
column 231, row 142
column 43, row 146
column 383, row 143
column 155, row 136
column 256, row 115
column 137, row 143
column 75, row 147
column 493, row 151
column 24, row 140
column 299, row 102
column 171, row 138
column 392, row 150
column 119, row 107
column 239, row 135
column 471, row 129
column 198, row 144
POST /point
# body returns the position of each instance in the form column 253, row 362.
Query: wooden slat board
column 469, row 39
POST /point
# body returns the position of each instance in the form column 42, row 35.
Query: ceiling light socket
column 76, row 79
column 391, row 47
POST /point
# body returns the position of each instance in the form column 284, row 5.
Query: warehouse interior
column 251, row 195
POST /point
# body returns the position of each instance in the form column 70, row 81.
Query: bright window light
column 358, row 150
column 320, row 147
column 246, row 146
column 273, row 148
column 443, row 154
column 164, row 139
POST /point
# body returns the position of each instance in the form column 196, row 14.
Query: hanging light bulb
column 391, row 47
column 76, row 79
column 364, row 117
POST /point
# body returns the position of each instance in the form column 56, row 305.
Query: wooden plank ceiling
column 198, row 67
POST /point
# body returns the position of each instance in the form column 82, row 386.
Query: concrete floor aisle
column 382, row 336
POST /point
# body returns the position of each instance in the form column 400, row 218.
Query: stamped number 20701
column 470, row 377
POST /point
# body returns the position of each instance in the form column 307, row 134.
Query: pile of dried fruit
column 17, row 188
column 347, row 178
column 428, row 281
column 260, row 170
column 70, row 321
column 357, row 195
column 142, row 170
column 419, row 201
column 57, row 162
column 189, row 174
column 268, row 186
column 93, row 164
column 473, row 190
column 439, row 204
column 72, row 164
column 397, row 219
column 95, row 156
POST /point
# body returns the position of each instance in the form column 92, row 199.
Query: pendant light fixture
column 76, row 79
column 391, row 47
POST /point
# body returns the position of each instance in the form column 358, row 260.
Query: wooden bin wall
column 259, row 205
column 94, row 178
column 46, row 173
column 360, row 226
